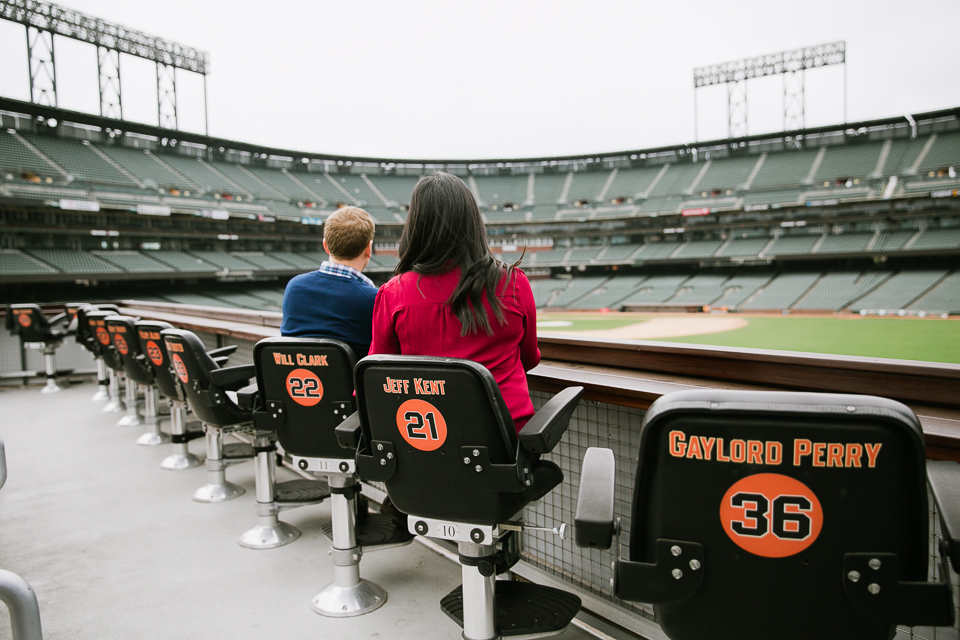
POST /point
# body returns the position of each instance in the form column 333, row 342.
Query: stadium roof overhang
column 103, row 123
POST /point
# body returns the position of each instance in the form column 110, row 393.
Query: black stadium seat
column 155, row 356
column 36, row 331
column 437, row 433
column 782, row 515
column 98, row 325
column 126, row 342
column 107, row 382
column 306, row 390
column 205, row 384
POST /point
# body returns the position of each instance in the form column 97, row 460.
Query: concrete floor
column 115, row 547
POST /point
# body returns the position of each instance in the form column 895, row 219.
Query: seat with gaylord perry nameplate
column 36, row 331
column 108, row 387
column 760, row 515
column 154, row 355
column 126, row 342
column 437, row 433
column 305, row 392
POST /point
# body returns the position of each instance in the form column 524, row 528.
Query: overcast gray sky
column 500, row 79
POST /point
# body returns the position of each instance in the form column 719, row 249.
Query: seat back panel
column 30, row 323
column 312, row 378
column 97, row 321
column 777, row 496
column 429, row 408
column 155, row 350
column 192, row 365
column 126, row 342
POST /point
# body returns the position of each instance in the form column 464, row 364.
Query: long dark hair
column 444, row 230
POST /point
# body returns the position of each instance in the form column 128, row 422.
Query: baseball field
column 928, row 339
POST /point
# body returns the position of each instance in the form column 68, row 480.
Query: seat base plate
column 179, row 462
column 153, row 439
column 375, row 530
column 346, row 602
column 114, row 406
column 218, row 492
column 268, row 537
column 523, row 608
column 130, row 420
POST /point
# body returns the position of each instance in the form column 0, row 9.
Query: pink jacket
column 411, row 317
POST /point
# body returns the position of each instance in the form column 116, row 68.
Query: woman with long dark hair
column 451, row 297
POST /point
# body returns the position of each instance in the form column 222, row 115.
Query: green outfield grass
column 931, row 340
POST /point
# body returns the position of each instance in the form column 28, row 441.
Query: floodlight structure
column 44, row 20
column 792, row 65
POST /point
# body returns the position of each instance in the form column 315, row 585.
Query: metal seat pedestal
column 270, row 532
column 132, row 419
column 153, row 436
column 50, row 365
column 115, row 405
column 181, row 458
column 103, row 383
column 348, row 595
column 218, row 489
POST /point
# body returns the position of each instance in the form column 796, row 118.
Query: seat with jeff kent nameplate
column 761, row 515
column 305, row 391
column 437, row 433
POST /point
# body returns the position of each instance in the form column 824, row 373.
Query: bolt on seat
column 782, row 515
column 305, row 392
column 127, row 344
column 205, row 384
column 155, row 355
column 438, row 434
column 108, row 387
column 36, row 331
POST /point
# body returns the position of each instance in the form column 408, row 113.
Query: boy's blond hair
column 348, row 231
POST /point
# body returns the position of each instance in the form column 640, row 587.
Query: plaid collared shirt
column 344, row 271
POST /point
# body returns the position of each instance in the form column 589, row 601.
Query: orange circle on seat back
column 421, row 425
column 304, row 387
column 24, row 319
column 103, row 336
column 154, row 353
column 121, row 344
column 771, row 515
column 181, row 369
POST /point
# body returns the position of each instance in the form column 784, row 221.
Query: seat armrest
column 594, row 523
column 348, row 432
column 222, row 360
column 944, row 478
column 222, row 351
column 544, row 430
column 224, row 378
column 60, row 317
column 247, row 397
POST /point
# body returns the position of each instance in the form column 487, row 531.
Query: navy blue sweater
column 323, row 305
